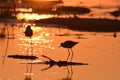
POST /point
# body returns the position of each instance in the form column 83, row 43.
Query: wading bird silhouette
column 28, row 31
column 114, row 34
column 69, row 45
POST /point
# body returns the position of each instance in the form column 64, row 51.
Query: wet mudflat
column 99, row 49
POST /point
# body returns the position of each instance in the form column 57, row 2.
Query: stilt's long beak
column 59, row 46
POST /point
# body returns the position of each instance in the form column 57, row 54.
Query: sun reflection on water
column 40, row 40
column 24, row 10
column 33, row 16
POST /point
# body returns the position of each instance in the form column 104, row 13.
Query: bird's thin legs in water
column 30, row 68
column 72, row 54
column 69, row 45
column 31, row 47
column 68, row 54
column 71, row 71
column 68, row 72
column 31, row 55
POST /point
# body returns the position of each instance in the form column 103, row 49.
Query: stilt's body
column 69, row 45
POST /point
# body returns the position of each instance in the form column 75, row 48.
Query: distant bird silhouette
column 69, row 45
column 116, row 13
column 28, row 31
column 115, row 35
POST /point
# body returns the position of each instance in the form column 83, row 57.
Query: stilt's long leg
column 31, row 44
column 31, row 55
column 68, row 54
column 72, row 54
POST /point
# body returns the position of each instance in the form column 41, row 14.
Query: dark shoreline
column 84, row 24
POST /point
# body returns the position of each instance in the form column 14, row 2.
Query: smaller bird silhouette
column 115, row 35
column 28, row 31
column 69, row 45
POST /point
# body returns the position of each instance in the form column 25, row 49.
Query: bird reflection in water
column 52, row 63
column 28, row 71
column 69, row 74
column 29, row 66
column 69, row 65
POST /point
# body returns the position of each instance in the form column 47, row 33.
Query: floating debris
column 22, row 57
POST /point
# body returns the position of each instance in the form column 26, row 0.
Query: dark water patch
column 22, row 57
column 85, row 24
column 116, row 13
column 73, row 10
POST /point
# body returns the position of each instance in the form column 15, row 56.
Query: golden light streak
column 33, row 16
column 39, row 41
column 24, row 10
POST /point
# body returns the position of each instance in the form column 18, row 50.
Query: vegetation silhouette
column 52, row 63
column 4, row 57
column 22, row 57
column 116, row 13
column 84, row 24
column 72, row 10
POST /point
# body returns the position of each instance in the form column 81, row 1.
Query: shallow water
column 99, row 50
column 99, row 9
column 92, row 2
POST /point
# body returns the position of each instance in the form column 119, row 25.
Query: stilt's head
column 62, row 45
